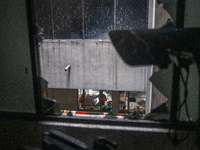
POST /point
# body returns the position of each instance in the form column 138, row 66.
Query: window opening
column 132, row 101
column 68, row 27
column 94, row 100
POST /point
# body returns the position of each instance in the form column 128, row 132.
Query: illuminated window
column 94, row 100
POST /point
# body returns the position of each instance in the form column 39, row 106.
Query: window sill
column 100, row 123
column 116, row 124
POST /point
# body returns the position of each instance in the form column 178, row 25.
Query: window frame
column 39, row 116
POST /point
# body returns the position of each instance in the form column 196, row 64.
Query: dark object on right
column 153, row 46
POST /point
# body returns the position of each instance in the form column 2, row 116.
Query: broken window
column 63, row 30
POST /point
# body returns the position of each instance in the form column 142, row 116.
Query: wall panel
column 95, row 64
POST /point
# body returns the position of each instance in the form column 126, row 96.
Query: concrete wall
column 95, row 64
column 16, row 85
column 192, row 14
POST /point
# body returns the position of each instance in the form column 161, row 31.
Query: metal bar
column 100, row 99
column 34, row 57
column 180, row 12
column 151, row 14
column 128, row 101
column 105, row 127
column 175, row 93
column 68, row 67
column 198, row 67
column 83, row 99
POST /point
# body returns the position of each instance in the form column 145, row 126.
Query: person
column 110, row 106
column 81, row 99
column 88, row 100
column 141, row 103
column 104, row 99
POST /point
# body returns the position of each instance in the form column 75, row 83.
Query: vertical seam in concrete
column 52, row 21
column 115, row 73
column 48, row 61
column 115, row 14
column 151, row 14
column 83, row 19
column 59, row 61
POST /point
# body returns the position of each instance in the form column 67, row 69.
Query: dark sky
column 89, row 19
